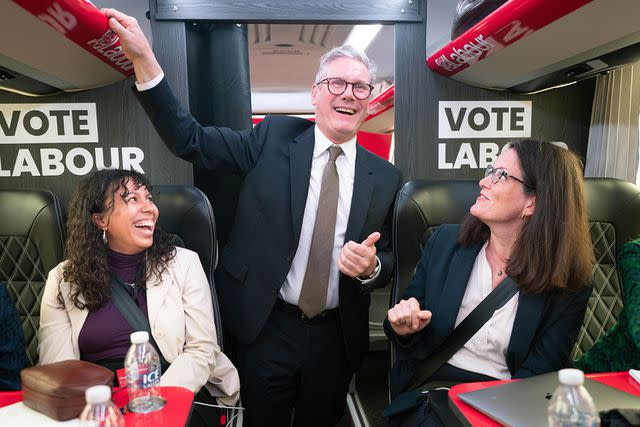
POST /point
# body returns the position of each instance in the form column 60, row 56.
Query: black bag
column 620, row 418
column 470, row 12
column 420, row 391
column 434, row 410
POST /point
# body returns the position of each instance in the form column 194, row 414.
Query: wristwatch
column 373, row 274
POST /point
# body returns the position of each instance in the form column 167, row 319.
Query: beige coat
column 181, row 319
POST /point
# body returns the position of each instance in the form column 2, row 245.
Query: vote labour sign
column 484, row 119
column 48, row 123
column 41, row 140
column 490, row 124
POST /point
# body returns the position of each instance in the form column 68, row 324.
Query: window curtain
column 612, row 150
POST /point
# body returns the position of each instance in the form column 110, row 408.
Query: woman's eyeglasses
column 498, row 174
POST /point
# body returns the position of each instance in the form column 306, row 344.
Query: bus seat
column 421, row 206
column 31, row 244
column 186, row 213
column 614, row 218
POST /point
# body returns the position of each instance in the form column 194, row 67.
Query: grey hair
column 347, row 51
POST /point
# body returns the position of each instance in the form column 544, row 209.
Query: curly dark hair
column 86, row 269
column 553, row 251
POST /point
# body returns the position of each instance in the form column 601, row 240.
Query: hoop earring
column 523, row 215
column 104, row 236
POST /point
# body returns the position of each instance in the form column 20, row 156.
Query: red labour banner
column 82, row 23
column 509, row 23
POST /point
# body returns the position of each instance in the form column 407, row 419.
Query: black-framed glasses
column 498, row 174
column 337, row 86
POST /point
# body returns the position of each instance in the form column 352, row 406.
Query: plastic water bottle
column 100, row 410
column 142, row 368
column 571, row 404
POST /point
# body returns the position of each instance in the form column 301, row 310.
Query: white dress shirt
column 151, row 83
column 346, row 165
column 486, row 351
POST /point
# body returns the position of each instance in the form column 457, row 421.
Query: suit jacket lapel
column 361, row 198
column 455, row 285
column 300, row 157
column 76, row 317
column 157, row 290
column 528, row 317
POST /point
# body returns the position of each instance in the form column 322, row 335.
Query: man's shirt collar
column 322, row 143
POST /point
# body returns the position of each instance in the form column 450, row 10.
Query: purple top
column 105, row 333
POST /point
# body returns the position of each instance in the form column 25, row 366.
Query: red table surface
column 174, row 413
column 619, row 380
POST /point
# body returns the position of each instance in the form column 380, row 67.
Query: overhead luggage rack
column 531, row 45
column 380, row 118
column 55, row 46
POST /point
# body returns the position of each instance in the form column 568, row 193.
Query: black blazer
column 275, row 160
column 544, row 330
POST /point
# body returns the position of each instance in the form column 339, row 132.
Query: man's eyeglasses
column 337, row 86
column 498, row 174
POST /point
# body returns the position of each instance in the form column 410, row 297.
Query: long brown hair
column 86, row 269
column 553, row 250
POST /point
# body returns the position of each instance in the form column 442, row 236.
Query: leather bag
column 57, row 389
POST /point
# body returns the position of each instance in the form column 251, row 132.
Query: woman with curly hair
column 113, row 240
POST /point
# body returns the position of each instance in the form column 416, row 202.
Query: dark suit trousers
column 295, row 366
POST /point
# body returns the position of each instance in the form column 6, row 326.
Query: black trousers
column 296, row 369
column 421, row 416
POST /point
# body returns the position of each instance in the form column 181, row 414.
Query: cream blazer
column 181, row 319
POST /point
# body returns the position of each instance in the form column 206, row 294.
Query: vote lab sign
column 39, row 139
column 486, row 120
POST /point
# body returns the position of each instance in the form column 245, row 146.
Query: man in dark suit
column 311, row 237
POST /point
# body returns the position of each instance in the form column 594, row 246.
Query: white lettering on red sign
column 469, row 53
column 516, row 31
column 115, row 55
column 59, row 18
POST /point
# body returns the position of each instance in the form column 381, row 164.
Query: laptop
column 524, row 402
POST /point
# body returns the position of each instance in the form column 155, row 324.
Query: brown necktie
column 313, row 296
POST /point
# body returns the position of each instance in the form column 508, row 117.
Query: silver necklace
column 500, row 271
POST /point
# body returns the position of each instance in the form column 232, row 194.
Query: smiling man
column 339, row 117
column 311, row 236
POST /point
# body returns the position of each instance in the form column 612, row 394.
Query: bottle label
column 122, row 377
column 150, row 378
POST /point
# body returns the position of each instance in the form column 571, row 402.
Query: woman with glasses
column 527, row 231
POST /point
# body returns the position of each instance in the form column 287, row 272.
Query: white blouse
column 486, row 351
